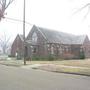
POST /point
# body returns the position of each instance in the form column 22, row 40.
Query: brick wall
column 17, row 46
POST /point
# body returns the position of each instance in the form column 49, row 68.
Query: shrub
column 82, row 55
column 44, row 58
column 36, row 58
column 51, row 57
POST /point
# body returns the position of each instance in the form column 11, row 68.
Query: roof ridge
column 56, row 31
column 41, row 32
column 56, row 36
column 21, row 36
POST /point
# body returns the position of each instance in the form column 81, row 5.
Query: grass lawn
column 66, row 66
column 81, row 67
column 77, row 63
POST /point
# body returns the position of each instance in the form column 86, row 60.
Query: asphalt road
column 13, row 78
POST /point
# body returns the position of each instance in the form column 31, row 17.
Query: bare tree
column 85, row 6
column 4, row 43
column 3, row 6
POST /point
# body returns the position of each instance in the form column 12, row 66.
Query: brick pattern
column 43, row 48
column 17, row 47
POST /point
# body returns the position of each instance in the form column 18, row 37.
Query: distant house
column 43, row 42
column 17, row 46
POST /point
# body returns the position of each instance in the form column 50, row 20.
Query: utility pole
column 24, row 33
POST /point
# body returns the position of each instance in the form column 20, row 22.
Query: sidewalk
column 67, row 69
column 60, row 69
column 17, row 63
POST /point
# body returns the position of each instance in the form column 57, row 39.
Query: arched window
column 52, row 50
column 34, row 37
column 60, row 50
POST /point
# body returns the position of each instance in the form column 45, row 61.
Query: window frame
column 34, row 37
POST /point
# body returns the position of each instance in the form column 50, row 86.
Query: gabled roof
column 21, row 37
column 53, row 36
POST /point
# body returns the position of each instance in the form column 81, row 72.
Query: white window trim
column 34, row 37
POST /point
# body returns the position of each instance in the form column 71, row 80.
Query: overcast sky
column 53, row 14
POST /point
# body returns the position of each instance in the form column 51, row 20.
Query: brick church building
column 43, row 42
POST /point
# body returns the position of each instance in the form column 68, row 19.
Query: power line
column 17, row 20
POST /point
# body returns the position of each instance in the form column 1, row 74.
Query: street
column 16, row 78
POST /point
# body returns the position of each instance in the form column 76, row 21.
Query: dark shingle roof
column 53, row 36
column 60, row 37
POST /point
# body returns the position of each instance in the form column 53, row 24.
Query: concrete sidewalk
column 60, row 69
column 51, row 65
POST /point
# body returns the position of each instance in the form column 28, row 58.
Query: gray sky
column 53, row 14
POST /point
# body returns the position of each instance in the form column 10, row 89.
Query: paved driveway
column 12, row 78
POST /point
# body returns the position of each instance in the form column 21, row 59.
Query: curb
column 10, row 65
column 64, row 72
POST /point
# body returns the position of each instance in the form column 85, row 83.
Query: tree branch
column 80, row 9
column 4, row 43
column 87, row 13
column 1, row 2
column 4, row 5
column 9, row 3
